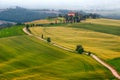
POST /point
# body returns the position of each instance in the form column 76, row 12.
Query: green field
column 102, row 40
column 109, row 29
column 27, row 58
column 11, row 31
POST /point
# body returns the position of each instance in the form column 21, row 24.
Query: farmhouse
column 71, row 14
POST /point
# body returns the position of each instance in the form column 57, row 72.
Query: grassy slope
column 46, row 21
column 109, row 29
column 115, row 63
column 90, row 36
column 11, row 31
column 103, row 21
column 70, row 37
column 40, row 22
column 26, row 57
column 113, row 28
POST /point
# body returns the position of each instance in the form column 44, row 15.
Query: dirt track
column 114, row 72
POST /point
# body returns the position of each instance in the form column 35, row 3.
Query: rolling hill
column 97, row 36
column 11, row 31
column 24, row 57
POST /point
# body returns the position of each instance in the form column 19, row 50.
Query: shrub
column 49, row 39
column 39, row 24
column 27, row 26
column 42, row 36
column 89, row 53
column 79, row 49
column 51, row 23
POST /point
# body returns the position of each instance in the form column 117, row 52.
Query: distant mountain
column 1, row 10
column 19, row 14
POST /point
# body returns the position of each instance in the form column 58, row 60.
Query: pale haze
column 61, row 4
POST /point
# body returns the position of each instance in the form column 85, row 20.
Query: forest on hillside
column 21, row 15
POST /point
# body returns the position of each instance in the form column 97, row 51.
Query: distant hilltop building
column 71, row 14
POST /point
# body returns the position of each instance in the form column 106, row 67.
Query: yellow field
column 40, row 22
column 103, row 21
column 46, row 21
column 104, row 45
column 25, row 57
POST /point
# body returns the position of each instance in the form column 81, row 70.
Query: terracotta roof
column 71, row 13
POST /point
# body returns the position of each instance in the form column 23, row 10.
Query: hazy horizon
column 61, row 4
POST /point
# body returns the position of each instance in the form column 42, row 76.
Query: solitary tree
column 42, row 36
column 27, row 26
column 79, row 49
column 49, row 39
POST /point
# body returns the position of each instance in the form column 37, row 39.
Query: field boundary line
column 113, row 71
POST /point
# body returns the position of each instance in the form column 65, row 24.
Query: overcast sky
column 61, row 4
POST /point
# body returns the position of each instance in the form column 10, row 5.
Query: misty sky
column 61, row 4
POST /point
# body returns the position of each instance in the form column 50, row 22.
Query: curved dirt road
column 114, row 72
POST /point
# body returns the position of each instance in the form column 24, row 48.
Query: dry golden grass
column 106, row 46
column 46, row 21
column 40, row 22
column 103, row 21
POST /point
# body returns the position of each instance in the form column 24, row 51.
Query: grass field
column 46, row 21
column 11, row 31
column 103, row 40
column 40, row 22
column 70, row 37
column 103, row 21
column 24, row 58
column 109, row 29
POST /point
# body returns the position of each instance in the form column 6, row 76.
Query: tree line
column 78, row 17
